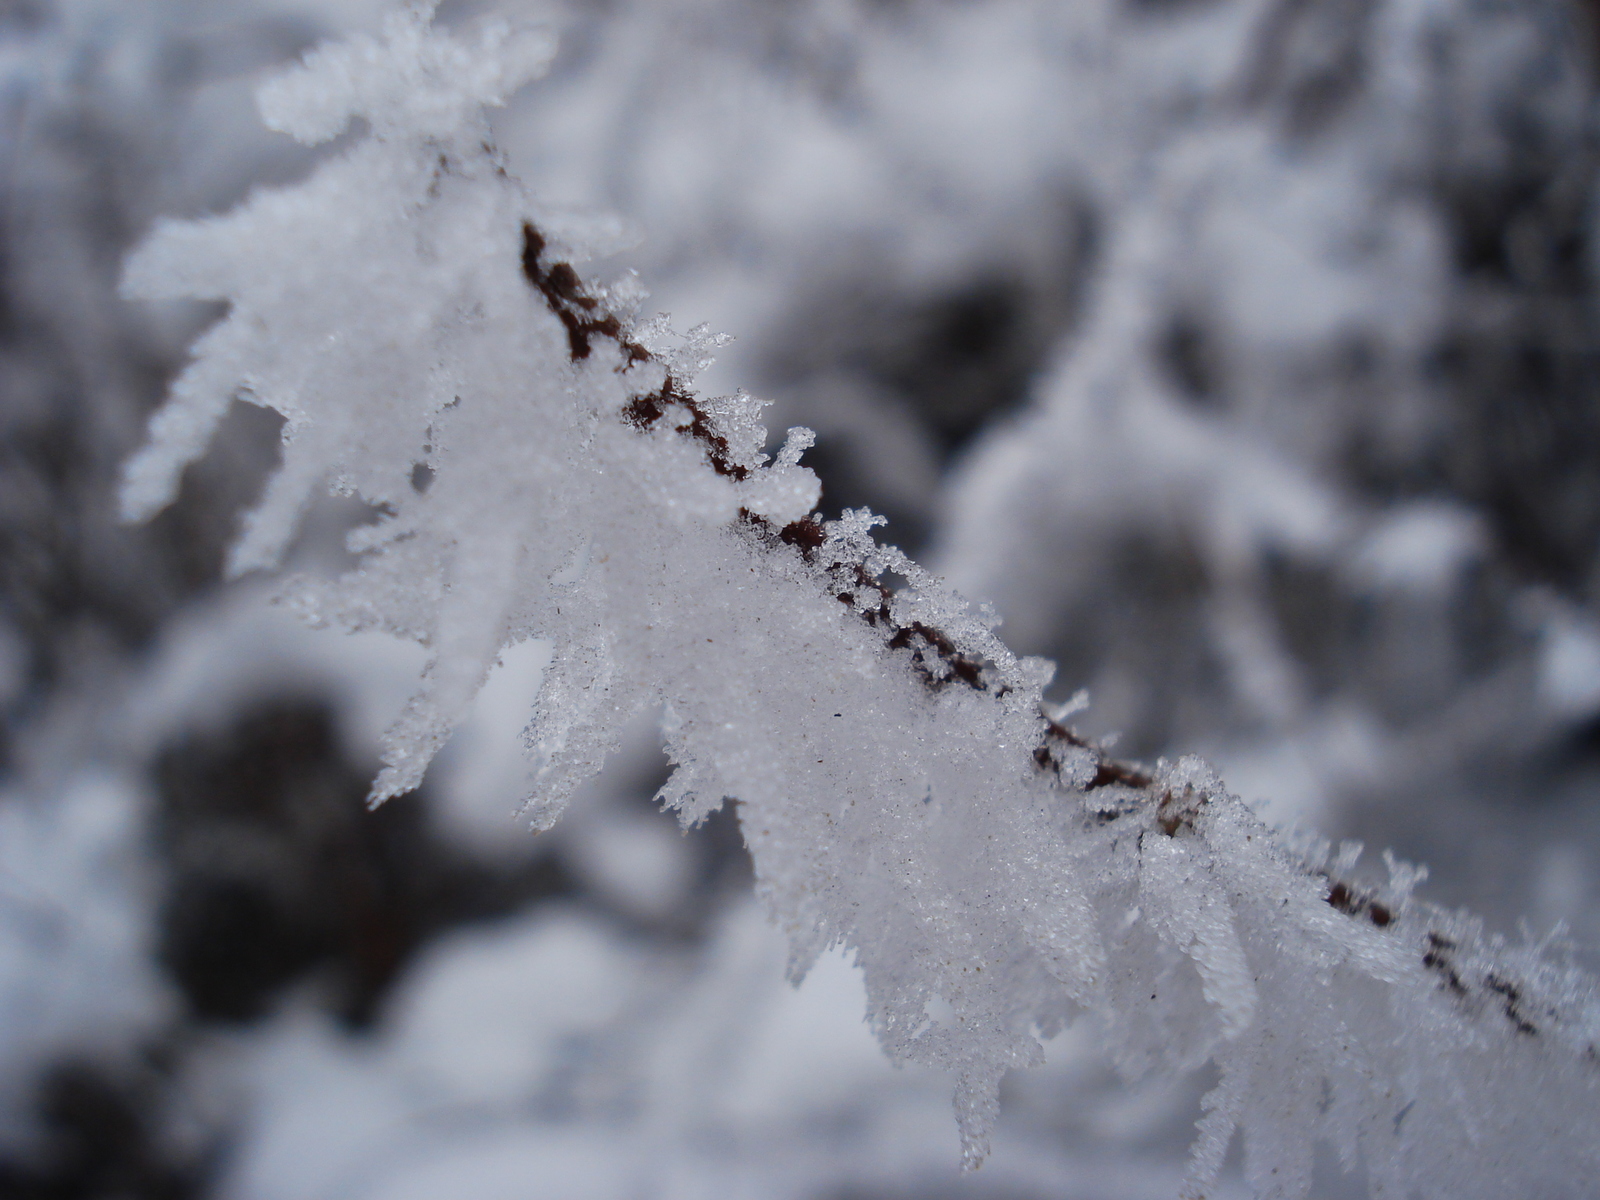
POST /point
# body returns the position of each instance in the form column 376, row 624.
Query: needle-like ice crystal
column 544, row 469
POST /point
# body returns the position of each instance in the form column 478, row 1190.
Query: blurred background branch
column 1241, row 352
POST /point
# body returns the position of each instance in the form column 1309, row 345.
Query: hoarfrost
column 542, row 469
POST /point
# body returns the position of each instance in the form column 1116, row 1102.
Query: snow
column 900, row 790
column 1250, row 455
column 75, row 898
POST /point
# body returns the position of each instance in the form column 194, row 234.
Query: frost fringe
column 542, row 467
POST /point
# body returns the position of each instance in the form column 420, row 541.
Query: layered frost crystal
column 542, row 468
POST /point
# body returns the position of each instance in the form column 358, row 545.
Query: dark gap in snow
column 100, row 1136
column 1189, row 352
column 72, row 577
column 1310, row 62
column 912, row 369
column 277, row 871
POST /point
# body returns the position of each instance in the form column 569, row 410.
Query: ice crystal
column 543, row 468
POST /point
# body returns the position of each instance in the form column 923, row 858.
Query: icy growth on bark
column 542, row 469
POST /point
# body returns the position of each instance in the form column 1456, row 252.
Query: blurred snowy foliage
column 1239, row 352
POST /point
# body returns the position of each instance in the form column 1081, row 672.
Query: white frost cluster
column 540, row 468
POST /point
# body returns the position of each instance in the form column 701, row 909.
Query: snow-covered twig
column 542, row 467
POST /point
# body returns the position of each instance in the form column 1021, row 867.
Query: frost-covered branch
column 543, row 468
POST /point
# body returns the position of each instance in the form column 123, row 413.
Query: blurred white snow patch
column 812, row 175
column 810, row 1049
column 1303, row 259
column 76, row 970
column 326, row 1113
column 1284, row 286
column 1248, row 495
column 1297, row 776
column 1419, row 548
column 748, row 1048
column 1569, row 663
column 545, row 1057
column 1561, row 884
column 216, row 659
column 487, row 1035
column 488, row 1014
column 561, row 1163
column 637, row 860
column 483, row 775
column 962, row 98
column 759, row 1088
